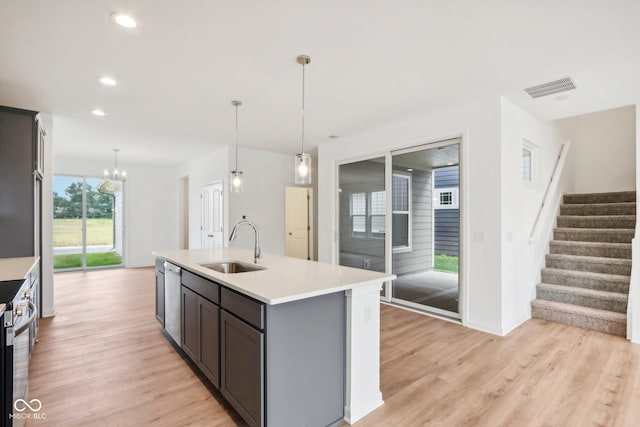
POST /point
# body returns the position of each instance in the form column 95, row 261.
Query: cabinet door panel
column 190, row 323
column 242, row 369
column 160, row 297
column 209, row 355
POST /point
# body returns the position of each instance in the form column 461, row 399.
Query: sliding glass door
column 401, row 213
column 88, row 223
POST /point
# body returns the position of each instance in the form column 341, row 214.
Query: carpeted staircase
column 586, row 279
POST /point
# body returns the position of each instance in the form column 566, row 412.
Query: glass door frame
column 84, row 266
column 388, row 154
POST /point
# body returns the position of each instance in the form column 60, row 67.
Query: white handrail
column 633, row 301
column 555, row 179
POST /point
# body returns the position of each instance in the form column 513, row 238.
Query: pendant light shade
column 302, row 169
column 236, row 175
column 115, row 174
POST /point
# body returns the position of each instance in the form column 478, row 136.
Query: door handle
column 209, row 235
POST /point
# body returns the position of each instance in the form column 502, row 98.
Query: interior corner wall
column 207, row 169
column 603, row 150
column 520, row 205
column 47, row 300
column 150, row 195
column 480, row 196
column 262, row 200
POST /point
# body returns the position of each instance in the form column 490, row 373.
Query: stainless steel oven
column 17, row 322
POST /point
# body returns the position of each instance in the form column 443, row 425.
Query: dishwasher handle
column 172, row 268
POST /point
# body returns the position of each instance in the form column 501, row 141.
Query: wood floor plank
column 103, row 361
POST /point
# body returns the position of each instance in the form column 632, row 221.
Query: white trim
column 533, row 168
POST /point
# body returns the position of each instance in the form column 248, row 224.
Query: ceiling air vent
column 561, row 85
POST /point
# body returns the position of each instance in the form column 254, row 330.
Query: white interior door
column 298, row 239
column 212, row 220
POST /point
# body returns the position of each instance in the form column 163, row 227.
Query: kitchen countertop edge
column 229, row 280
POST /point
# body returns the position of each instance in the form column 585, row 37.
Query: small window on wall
column 358, row 212
column 401, row 209
column 378, row 210
column 446, row 198
column 528, row 162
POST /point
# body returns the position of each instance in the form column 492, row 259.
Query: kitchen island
column 305, row 336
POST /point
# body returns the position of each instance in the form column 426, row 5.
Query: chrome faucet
column 234, row 232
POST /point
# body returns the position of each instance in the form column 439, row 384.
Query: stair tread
column 590, row 244
column 581, row 310
column 591, row 259
column 585, row 292
column 600, row 204
column 588, row 274
column 596, row 230
column 612, row 217
column 604, row 193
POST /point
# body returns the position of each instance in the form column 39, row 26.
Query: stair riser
column 619, row 197
column 606, row 209
column 583, row 282
column 587, row 236
column 583, row 300
column 624, row 252
column 608, row 327
column 607, row 222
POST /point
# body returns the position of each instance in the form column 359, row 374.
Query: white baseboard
column 358, row 410
column 485, row 328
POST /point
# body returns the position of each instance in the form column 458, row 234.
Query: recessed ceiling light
column 450, row 164
column 99, row 113
column 561, row 97
column 333, row 136
column 410, row 170
column 123, row 20
column 107, row 81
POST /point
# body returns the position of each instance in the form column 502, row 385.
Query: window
column 446, row 198
column 401, row 210
column 529, row 150
column 526, row 165
column 358, row 211
column 377, row 212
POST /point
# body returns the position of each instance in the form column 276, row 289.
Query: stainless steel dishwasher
column 172, row 283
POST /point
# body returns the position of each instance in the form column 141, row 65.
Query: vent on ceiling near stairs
column 561, row 85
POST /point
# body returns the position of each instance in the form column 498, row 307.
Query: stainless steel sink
column 232, row 267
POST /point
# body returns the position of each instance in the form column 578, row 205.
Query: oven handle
column 34, row 314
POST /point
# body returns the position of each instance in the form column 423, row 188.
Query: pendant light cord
column 236, row 137
column 302, row 136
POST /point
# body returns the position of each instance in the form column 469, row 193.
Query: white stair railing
column 633, row 303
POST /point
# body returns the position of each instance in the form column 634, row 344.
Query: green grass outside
column 68, row 232
column 446, row 263
column 99, row 259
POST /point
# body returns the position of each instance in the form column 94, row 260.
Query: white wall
column 150, row 204
column 603, row 153
column 265, row 174
column 520, row 205
column 478, row 124
column 47, row 301
column 207, row 169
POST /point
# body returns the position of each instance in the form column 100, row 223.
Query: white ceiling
column 372, row 62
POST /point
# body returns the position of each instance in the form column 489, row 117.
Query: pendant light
column 303, row 160
column 236, row 175
column 115, row 174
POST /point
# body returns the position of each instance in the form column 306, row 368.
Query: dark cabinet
column 190, row 323
column 201, row 325
column 160, row 291
column 242, row 367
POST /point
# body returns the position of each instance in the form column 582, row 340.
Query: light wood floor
column 103, row 361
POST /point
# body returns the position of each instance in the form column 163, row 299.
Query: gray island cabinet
column 290, row 343
column 277, row 365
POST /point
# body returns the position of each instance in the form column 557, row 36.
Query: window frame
column 354, row 233
column 455, row 198
column 533, row 163
column 409, row 246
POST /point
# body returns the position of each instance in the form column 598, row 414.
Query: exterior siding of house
column 447, row 221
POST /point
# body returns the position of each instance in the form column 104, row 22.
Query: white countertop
column 285, row 279
column 16, row 268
